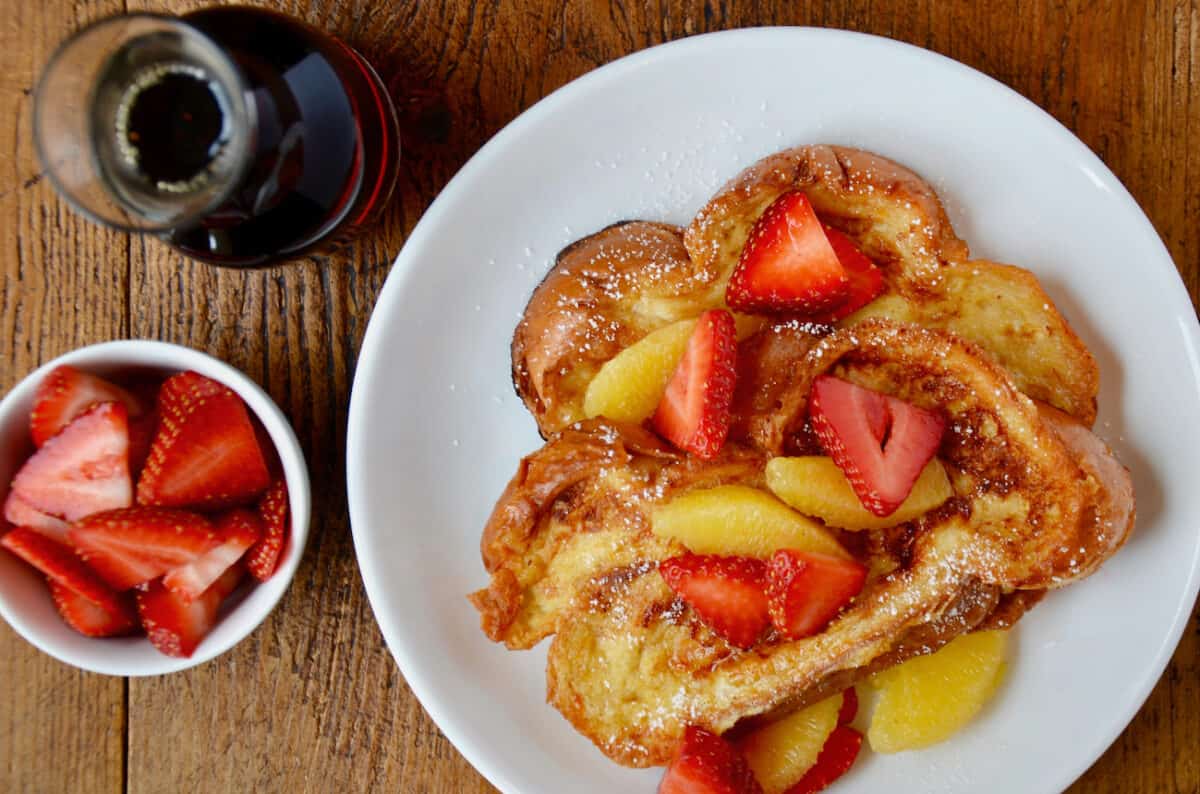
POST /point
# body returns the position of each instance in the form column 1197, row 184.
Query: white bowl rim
column 173, row 357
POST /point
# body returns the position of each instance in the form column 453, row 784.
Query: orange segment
column 816, row 487
column 737, row 519
column 781, row 752
column 925, row 700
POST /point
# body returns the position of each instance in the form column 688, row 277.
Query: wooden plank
column 493, row 63
column 312, row 702
column 62, row 285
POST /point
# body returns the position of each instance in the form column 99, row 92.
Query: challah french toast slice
column 1038, row 502
column 614, row 287
column 896, row 218
column 570, row 547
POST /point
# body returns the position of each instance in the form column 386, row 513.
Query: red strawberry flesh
column 849, row 709
column 82, row 470
column 263, row 559
column 880, row 468
column 59, row 563
column 727, row 593
column 66, row 393
column 865, row 279
column 805, row 590
column 20, row 513
column 834, row 760
column 237, row 531
column 91, row 619
column 131, row 546
column 787, row 263
column 176, row 627
column 707, row 764
column 205, row 454
column 694, row 411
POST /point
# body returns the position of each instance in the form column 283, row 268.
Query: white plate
column 436, row 431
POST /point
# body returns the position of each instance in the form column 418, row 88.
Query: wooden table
column 312, row 701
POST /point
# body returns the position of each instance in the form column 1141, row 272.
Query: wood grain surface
column 312, row 701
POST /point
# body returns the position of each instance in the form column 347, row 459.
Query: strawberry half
column 707, row 764
column 805, row 590
column 849, row 709
column 727, row 593
column 174, row 626
column 59, row 564
column 694, row 411
column 881, row 468
column 865, row 279
column 205, row 454
column 82, row 470
column 237, row 531
column 91, row 619
column 835, row 758
column 65, row 394
column 131, row 546
column 263, row 559
column 20, row 513
column 787, row 264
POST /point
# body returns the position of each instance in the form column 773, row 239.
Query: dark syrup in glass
column 324, row 153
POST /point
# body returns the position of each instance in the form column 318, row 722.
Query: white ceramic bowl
column 24, row 597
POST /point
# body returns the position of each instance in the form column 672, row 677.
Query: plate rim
column 404, row 265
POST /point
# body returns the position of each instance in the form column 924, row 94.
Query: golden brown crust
column 1115, row 510
column 604, row 293
column 630, row 666
column 611, row 288
column 1039, row 501
column 1004, row 310
column 570, row 513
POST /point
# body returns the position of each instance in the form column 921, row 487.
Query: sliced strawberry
column 82, row 470
column 849, row 709
column 727, row 593
column 263, row 559
column 131, row 546
column 60, row 565
column 237, row 531
column 881, row 468
column 835, row 758
column 20, row 513
column 205, row 454
column 144, row 387
column 694, row 412
column 65, row 394
column 865, row 279
column 805, row 590
column 787, row 264
column 175, row 626
column 141, row 439
column 707, row 764
column 92, row 619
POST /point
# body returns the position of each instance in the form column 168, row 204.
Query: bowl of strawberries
column 155, row 510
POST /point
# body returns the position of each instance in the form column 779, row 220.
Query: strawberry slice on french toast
column 728, row 593
column 788, row 264
column 694, row 412
column 707, row 764
column 881, row 467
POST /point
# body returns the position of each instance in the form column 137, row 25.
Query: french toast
column 1037, row 501
column 612, row 288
